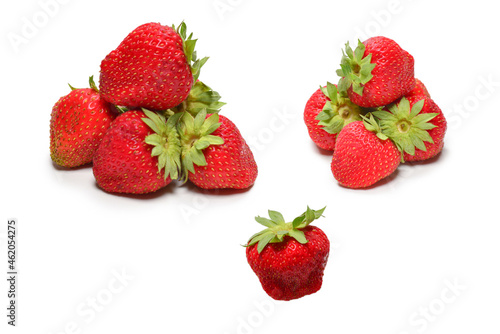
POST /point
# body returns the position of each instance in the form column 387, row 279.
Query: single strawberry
column 376, row 73
column 289, row 258
column 214, row 154
column 77, row 124
column 416, row 125
column 154, row 67
column 140, row 153
column 326, row 113
column 419, row 89
column 363, row 155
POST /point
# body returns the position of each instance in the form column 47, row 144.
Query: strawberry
column 376, row 73
column 289, row 258
column 313, row 107
column 214, row 154
column 139, row 153
column 419, row 89
column 363, row 155
column 77, row 124
column 154, row 67
column 326, row 113
column 416, row 125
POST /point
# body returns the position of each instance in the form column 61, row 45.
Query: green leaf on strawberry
column 201, row 97
column 189, row 44
column 278, row 228
column 372, row 125
column 406, row 126
column 165, row 141
column 337, row 112
column 195, row 136
column 355, row 69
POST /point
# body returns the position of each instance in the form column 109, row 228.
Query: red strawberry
column 419, row 89
column 77, row 124
column 134, row 152
column 363, row 155
column 151, row 68
column 416, row 125
column 319, row 136
column 214, row 154
column 376, row 73
column 289, row 258
column 326, row 113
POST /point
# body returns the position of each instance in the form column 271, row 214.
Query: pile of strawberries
column 151, row 120
column 377, row 116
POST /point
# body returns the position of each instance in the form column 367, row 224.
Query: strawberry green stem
column 195, row 136
column 278, row 228
column 338, row 112
column 201, row 97
column 406, row 126
column 189, row 44
column 165, row 141
column 355, row 68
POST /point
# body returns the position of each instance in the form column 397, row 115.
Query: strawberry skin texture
column 290, row 270
column 148, row 69
column 361, row 158
column 230, row 165
column 419, row 89
column 123, row 162
column 437, row 134
column 77, row 125
column 319, row 136
column 393, row 76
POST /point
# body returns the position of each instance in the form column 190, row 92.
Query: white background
column 396, row 248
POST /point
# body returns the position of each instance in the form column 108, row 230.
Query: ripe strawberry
column 376, row 73
column 139, row 153
column 313, row 107
column 416, row 125
column 419, row 89
column 214, row 154
column 154, row 67
column 77, row 124
column 326, row 113
column 289, row 258
column 363, row 155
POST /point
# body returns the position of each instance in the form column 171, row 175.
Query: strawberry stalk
column 278, row 228
column 406, row 126
column 91, row 85
column 165, row 141
column 195, row 136
column 355, row 69
column 338, row 112
column 201, row 97
column 188, row 44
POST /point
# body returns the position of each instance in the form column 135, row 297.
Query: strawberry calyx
column 201, row 97
column 188, row 44
column 165, row 141
column 355, row 69
column 278, row 228
column 371, row 124
column 338, row 112
column 406, row 126
column 91, row 85
column 195, row 134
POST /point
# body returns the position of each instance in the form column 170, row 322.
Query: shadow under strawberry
column 215, row 192
column 169, row 189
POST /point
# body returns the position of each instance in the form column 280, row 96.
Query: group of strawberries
column 377, row 116
column 151, row 121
